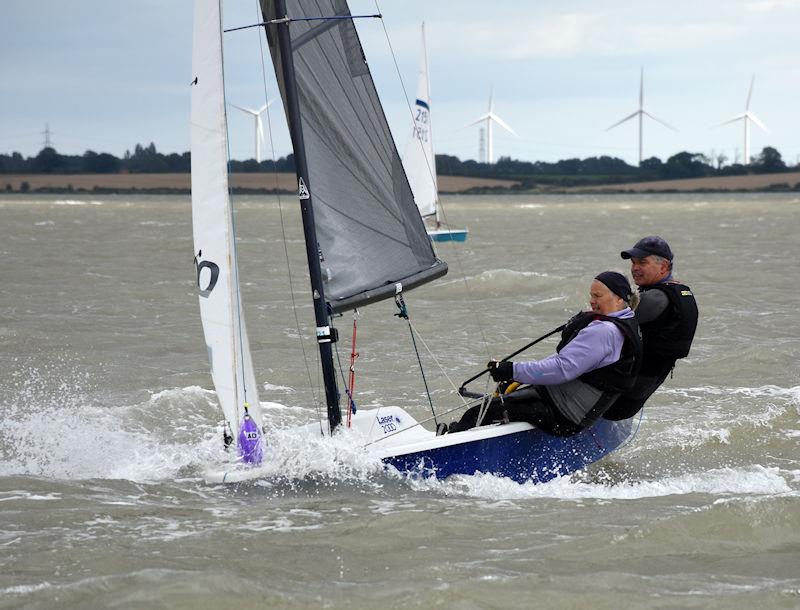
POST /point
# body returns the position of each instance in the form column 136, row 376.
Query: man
column 598, row 357
column 667, row 315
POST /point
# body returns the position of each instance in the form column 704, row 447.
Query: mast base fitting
column 327, row 334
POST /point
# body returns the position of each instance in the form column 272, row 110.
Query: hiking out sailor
column 667, row 314
column 598, row 357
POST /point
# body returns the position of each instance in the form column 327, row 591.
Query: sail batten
column 369, row 232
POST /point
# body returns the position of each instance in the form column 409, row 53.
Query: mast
column 325, row 334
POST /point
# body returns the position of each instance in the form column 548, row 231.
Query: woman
column 598, row 357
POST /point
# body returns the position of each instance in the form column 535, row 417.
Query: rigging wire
column 401, row 305
column 311, row 385
column 288, row 19
column 432, row 170
column 235, row 266
column 436, row 360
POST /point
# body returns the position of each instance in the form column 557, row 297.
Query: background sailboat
column 419, row 159
column 365, row 241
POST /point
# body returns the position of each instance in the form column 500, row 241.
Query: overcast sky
column 107, row 75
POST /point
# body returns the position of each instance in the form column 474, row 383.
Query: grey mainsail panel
column 369, row 230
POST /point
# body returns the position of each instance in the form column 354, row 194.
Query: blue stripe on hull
column 530, row 455
column 449, row 236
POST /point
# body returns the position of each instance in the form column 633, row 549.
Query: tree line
column 608, row 170
column 567, row 172
column 143, row 160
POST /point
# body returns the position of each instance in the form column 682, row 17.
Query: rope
column 635, row 432
column 314, row 398
column 352, row 376
column 347, row 388
column 485, row 403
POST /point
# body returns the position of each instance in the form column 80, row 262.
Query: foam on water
column 63, row 433
column 297, row 454
column 76, row 202
column 58, row 430
column 754, row 479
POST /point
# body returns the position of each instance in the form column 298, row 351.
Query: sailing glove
column 501, row 371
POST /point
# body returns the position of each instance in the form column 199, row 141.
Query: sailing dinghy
column 365, row 241
column 420, row 162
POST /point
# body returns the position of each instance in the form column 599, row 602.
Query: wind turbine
column 259, row 125
column 746, row 118
column 489, row 117
column 641, row 113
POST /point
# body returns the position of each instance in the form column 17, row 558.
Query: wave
column 503, row 282
column 62, row 430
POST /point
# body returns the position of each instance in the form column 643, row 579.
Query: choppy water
column 107, row 419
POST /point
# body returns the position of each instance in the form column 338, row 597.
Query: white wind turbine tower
column 746, row 117
column 641, row 113
column 490, row 117
column 259, row 125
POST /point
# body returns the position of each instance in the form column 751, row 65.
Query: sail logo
column 302, row 189
column 209, row 279
column 387, row 423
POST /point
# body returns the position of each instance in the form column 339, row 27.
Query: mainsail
column 212, row 221
column 368, row 230
column 418, row 158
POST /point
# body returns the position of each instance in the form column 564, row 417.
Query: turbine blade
column 478, row 120
column 750, row 93
column 755, row 120
column 247, row 110
column 644, row 112
column 627, row 118
column 641, row 89
column 502, row 123
column 733, row 120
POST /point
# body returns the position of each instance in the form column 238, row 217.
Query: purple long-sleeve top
column 595, row 346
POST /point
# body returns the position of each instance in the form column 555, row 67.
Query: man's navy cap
column 652, row 244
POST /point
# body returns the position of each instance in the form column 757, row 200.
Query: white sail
column 212, row 221
column 419, row 160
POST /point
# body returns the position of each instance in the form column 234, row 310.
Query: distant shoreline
column 785, row 181
column 160, row 184
column 262, row 183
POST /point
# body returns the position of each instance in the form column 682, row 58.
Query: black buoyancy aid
column 670, row 335
column 617, row 376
